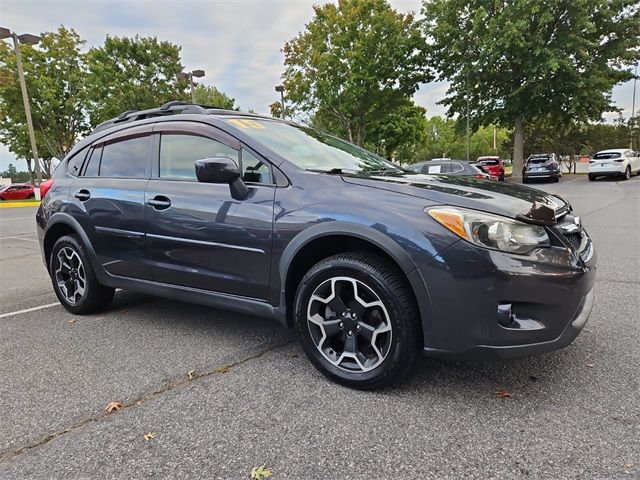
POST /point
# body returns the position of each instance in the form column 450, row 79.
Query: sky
column 236, row 42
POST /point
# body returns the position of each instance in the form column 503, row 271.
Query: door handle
column 159, row 202
column 83, row 194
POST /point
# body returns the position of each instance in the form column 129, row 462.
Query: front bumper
column 552, row 287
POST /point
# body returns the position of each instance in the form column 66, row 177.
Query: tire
column 627, row 173
column 556, row 179
column 501, row 178
column 67, row 277
column 592, row 178
column 393, row 323
column 31, row 195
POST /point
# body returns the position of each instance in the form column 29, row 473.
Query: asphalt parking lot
column 254, row 399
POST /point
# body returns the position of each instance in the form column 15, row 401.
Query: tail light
column 480, row 176
column 45, row 186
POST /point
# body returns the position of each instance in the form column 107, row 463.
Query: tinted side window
column 74, row 165
column 92, row 165
column 255, row 170
column 178, row 154
column 125, row 159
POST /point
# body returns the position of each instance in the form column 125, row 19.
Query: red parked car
column 17, row 192
column 493, row 166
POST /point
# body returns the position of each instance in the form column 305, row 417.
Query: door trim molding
column 202, row 242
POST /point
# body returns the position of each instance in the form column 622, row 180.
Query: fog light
column 505, row 317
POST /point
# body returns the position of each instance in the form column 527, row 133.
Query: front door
column 198, row 236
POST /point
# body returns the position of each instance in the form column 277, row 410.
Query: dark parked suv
column 370, row 264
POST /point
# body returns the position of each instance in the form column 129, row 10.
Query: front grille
column 575, row 239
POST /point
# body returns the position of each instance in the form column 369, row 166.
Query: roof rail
column 169, row 108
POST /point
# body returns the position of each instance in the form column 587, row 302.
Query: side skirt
column 224, row 301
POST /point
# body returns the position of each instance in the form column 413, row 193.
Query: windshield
column 310, row 149
column 606, row 155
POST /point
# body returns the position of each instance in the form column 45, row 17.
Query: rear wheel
column 592, row 178
column 627, row 173
column 358, row 321
column 73, row 278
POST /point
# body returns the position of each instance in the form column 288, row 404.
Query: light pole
column 189, row 76
column 27, row 39
column 633, row 104
column 280, row 88
column 468, row 139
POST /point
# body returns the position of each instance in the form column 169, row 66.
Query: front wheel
column 74, row 281
column 358, row 320
column 592, row 178
column 627, row 173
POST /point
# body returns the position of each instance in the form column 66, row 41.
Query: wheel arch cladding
column 59, row 225
column 315, row 244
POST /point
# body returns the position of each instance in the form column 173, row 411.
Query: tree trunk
column 518, row 148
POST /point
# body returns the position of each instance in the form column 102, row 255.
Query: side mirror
column 222, row 170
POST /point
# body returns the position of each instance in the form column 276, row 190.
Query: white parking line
column 14, row 218
column 27, row 310
column 21, row 237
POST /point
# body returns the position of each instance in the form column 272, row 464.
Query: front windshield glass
column 310, row 149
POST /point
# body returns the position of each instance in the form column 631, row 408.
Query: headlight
column 490, row 231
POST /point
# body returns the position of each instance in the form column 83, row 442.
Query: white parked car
column 615, row 162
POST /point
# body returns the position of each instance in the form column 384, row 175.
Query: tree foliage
column 354, row 69
column 54, row 74
column 132, row 74
column 210, row 95
column 520, row 60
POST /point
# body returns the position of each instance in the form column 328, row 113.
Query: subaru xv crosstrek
column 370, row 264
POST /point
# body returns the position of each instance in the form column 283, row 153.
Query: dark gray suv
column 371, row 264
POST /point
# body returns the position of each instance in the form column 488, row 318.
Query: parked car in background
column 492, row 165
column 458, row 168
column 618, row 162
column 22, row 191
column 541, row 166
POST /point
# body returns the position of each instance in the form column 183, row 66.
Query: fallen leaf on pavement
column 139, row 402
column 503, row 394
column 224, row 369
column 99, row 318
column 590, row 365
column 149, row 436
column 190, row 374
column 114, row 407
column 294, row 355
column 258, row 473
column 73, row 320
column 630, row 465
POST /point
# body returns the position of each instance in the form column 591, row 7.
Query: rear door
column 197, row 234
column 108, row 200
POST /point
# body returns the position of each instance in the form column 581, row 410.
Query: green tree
column 55, row 77
column 356, row 63
column 521, row 60
column 132, row 74
column 210, row 95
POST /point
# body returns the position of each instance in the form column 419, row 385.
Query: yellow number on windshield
column 246, row 123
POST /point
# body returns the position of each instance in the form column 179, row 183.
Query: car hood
column 514, row 201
